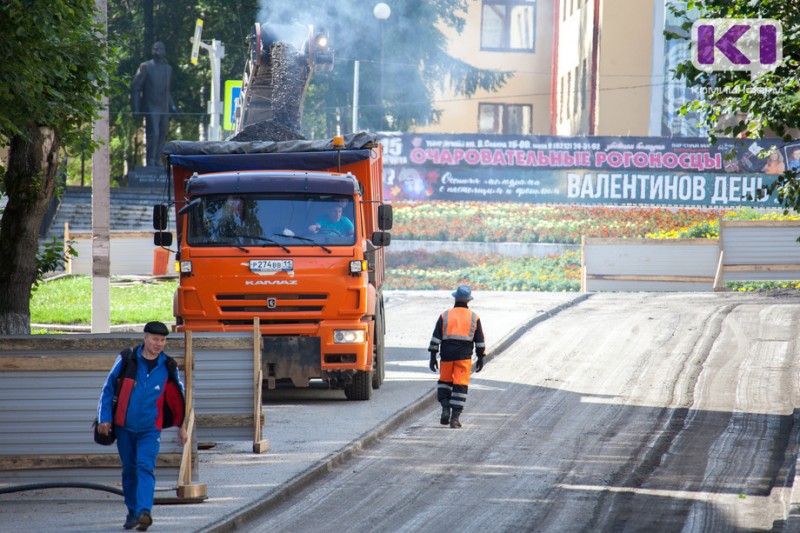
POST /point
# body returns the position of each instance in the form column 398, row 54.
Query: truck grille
column 272, row 308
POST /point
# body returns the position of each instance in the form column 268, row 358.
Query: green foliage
column 412, row 69
column 738, row 106
column 760, row 286
column 68, row 300
column 54, row 68
column 52, row 257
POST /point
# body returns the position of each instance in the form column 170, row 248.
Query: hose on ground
column 37, row 486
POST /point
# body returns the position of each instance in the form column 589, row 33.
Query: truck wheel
column 360, row 388
column 378, row 367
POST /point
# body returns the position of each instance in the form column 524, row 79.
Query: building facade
column 581, row 67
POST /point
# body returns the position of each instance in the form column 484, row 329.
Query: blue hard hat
column 463, row 293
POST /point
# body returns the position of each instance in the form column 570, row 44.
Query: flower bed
column 443, row 270
column 495, row 222
column 505, row 222
column 709, row 229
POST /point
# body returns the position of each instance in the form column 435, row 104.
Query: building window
column 508, row 25
column 508, row 119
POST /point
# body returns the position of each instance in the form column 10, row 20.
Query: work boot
column 445, row 419
column 144, row 521
column 454, row 422
column 130, row 520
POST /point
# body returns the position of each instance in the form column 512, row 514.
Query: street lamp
column 382, row 12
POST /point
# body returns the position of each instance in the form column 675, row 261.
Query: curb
column 237, row 519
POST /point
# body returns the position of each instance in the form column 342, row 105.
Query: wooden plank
column 760, row 223
column 217, row 343
column 104, row 460
column 761, row 268
column 645, row 242
column 60, row 363
column 225, row 421
column 103, row 344
column 82, row 235
column 628, row 277
column 81, row 343
column 719, row 281
column 583, row 263
column 185, row 471
column 256, row 380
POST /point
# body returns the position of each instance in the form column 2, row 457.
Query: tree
column 413, row 65
column 53, row 74
column 137, row 24
column 737, row 105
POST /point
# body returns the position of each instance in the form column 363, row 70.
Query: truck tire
column 378, row 366
column 361, row 387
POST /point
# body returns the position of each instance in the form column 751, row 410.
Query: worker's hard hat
column 463, row 293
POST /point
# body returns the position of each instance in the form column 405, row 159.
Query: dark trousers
column 156, row 126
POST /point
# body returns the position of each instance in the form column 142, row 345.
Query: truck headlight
column 186, row 267
column 348, row 336
column 356, row 267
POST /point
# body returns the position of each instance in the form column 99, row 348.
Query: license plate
column 271, row 265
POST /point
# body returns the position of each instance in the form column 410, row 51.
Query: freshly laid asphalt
column 310, row 431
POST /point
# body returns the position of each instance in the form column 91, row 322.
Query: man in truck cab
column 333, row 222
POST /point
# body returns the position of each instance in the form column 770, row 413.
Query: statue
column 150, row 98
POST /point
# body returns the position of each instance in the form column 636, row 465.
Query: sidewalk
column 309, row 430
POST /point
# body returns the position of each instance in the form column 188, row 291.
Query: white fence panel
column 649, row 264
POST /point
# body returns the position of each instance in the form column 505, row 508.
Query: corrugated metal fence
column 49, row 389
column 747, row 250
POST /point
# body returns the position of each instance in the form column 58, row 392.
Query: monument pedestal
column 150, row 177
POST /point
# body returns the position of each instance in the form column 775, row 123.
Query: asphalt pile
column 290, row 73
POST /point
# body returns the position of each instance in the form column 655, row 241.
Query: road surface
column 627, row 412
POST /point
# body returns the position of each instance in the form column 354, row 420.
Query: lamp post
column 382, row 12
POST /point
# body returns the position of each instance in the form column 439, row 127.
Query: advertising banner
column 583, row 170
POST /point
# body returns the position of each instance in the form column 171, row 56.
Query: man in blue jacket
column 142, row 395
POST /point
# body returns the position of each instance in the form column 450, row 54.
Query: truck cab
column 302, row 250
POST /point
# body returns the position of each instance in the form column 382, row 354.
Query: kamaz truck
column 290, row 232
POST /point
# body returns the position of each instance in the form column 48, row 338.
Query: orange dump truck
column 292, row 233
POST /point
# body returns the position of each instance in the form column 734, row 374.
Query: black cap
column 156, row 328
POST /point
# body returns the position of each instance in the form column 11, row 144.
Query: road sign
column 198, row 31
column 233, row 89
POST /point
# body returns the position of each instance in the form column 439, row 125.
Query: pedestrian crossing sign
column 233, row 89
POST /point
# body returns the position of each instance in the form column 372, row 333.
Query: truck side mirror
column 160, row 217
column 381, row 238
column 385, row 217
column 162, row 238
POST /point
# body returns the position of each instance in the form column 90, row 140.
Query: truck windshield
column 272, row 220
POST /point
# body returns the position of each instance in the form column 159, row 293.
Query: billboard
column 583, row 170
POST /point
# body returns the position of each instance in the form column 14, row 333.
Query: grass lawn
column 68, row 300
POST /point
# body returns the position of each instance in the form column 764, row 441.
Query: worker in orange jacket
column 456, row 332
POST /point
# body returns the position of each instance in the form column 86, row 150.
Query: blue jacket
column 146, row 401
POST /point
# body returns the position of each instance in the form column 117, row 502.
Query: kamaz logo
column 272, row 282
